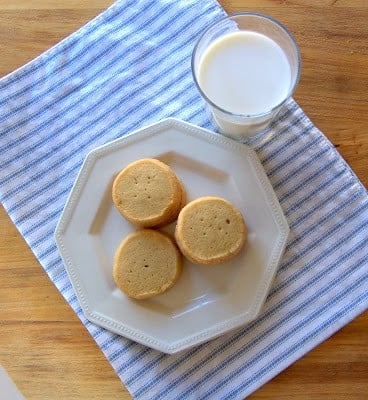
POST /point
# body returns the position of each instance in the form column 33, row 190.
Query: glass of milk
column 246, row 66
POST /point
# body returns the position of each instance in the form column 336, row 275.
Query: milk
column 244, row 73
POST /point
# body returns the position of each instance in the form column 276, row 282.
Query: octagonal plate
column 206, row 301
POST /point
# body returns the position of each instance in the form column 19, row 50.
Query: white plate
column 206, row 301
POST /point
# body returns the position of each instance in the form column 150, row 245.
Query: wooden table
column 43, row 345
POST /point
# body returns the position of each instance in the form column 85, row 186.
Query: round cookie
column 148, row 193
column 146, row 263
column 210, row 230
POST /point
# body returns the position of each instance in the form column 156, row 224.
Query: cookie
column 148, row 193
column 210, row 230
column 146, row 263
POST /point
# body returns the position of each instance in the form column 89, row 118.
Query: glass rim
column 261, row 16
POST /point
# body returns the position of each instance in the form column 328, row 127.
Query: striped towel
column 127, row 68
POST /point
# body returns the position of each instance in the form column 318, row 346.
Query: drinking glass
column 235, row 124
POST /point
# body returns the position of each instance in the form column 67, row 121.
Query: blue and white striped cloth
column 127, row 68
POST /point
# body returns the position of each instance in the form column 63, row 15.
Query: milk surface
column 245, row 73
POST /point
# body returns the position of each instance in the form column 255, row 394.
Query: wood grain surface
column 44, row 347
